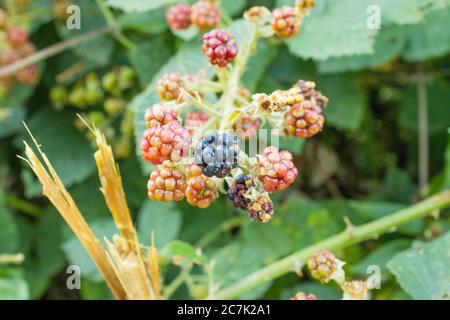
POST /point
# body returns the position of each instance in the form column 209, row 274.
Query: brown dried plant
column 130, row 271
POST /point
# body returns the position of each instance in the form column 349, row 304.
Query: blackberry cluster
column 166, row 184
column 217, row 154
column 247, row 126
column 304, row 120
column 179, row 16
column 261, row 210
column 238, row 190
column 205, row 14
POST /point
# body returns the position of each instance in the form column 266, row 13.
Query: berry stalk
column 352, row 235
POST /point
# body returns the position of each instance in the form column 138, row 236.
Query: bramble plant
column 212, row 148
column 242, row 149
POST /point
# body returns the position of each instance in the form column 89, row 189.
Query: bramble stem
column 53, row 50
column 23, row 205
column 348, row 237
column 422, row 105
column 109, row 16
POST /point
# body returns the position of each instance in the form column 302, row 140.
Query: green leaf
column 66, row 148
column 12, row 284
column 149, row 22
column 258, row 64
column 304, row 222
column 389, row 43
column 96, row 50
column 11, row 120
column 233, row 7
column 161, row 219
column 77, row 255
column 9, row 233
column 430, row 39
column 184, row 250
column 347, row 101
column 147, row 58
column 423, row 271
column 320, row 39
column 380, row 257
column 294, row 145
column 398, row 184
column 90, row 200
column 139, row 5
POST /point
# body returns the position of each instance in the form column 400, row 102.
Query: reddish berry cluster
column 203, row 14
column 168, row 142
column 195, row 120
column 166, row 184
column 276, row 169
column 169, row 86
column 159, row 115
column 304, row 296
column 309, row 92
column 220, row 47
column 304, row 120
column 201, row 191
column 179, row 16
column 206, row 14
column 286, row 22
column 247, row 126
column 18, row 47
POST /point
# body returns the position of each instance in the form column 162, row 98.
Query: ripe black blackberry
column 238, row 190
column 217, row 154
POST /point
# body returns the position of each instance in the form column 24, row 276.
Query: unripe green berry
column 126, row 74
column 110, row 82
column 77, row 97
column 96, row 118
column 58, row 96
column 113, row 106
column 199, row 291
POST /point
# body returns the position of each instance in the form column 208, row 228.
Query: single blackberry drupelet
column 217, row 154
column 238, row 190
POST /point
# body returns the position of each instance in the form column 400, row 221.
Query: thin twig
column 53, row 50
column 422, row 105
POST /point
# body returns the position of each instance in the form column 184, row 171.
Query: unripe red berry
column 304, row 296
column 159, row 115
column 168, row 142
column 247, row 126
column 286, row 22
column 322, row 265
column 28, row 75
column 220, row 47
column 10, row 56
column 304, row 120
column 261, row 210
column 178, row 17
column 205, row 14
column 276, row 169
column 166, row 183
column 169, row 86
column 309, row 92
column 16, row 36
column 201, row 191
column 195, row 120
column 26, row 49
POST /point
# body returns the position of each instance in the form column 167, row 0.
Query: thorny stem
column 53, row 50
column 232, row 86
column 348, row 237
